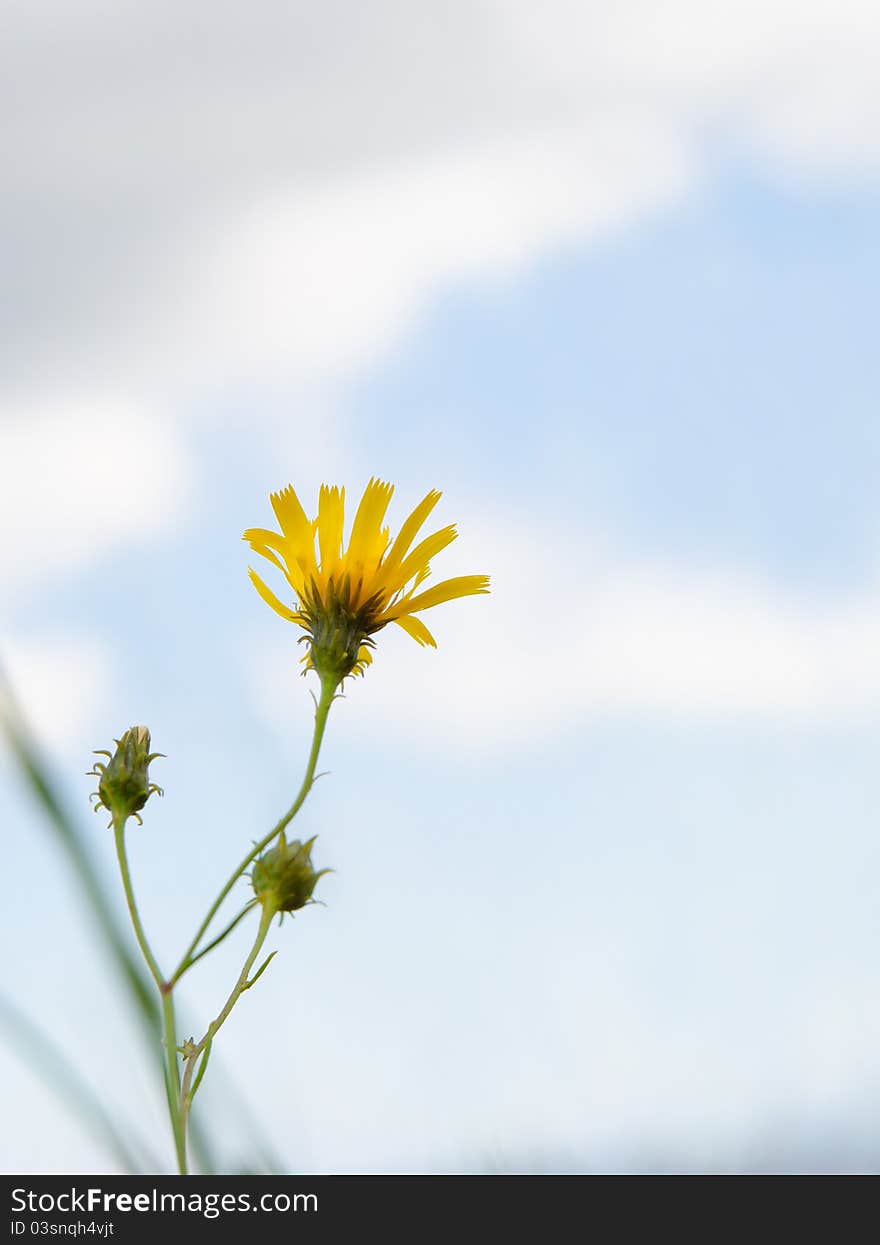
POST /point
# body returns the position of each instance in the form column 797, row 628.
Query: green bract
column 284, row 878
column 124, row 782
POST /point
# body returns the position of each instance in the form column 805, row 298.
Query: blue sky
column 605, row 888
column 715, row 365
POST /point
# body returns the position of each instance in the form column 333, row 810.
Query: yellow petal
column 331, row 519
column 270, row 598
column 417, row 629
column 299, row 535
column 408, row 531
column 448, row 590
column 263, row 536
column 420, row 556
column 290, row 514
column 366, row 543
column 264, row 543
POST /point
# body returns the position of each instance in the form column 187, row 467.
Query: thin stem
column 184, row 968
column 201, row 1072
column 169, row 1037
column 188, row 1089
column 172, row 1080
column 322, row 708
column 140, row 935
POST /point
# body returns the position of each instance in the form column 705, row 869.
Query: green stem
column 169, row 1036
column 201, row 1072
column 140, row 935
column 188, row 1089
column 328, row 692
column 172, row 1080
column 215, row 942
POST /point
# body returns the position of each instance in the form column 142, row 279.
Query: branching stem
column 202, row 1048
column 181, row 1091
column 322, row 708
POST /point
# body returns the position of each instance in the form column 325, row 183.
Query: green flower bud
column 124, row 782
column 283, row 878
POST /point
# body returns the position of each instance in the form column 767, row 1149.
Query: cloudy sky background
column 606, row 886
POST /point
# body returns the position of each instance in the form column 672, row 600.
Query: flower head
column 284, row 877
column 343, row 596
column 124, row 782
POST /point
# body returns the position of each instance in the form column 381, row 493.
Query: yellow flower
column 344, row 596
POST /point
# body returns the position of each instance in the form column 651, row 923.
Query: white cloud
column 794, row 78
column 199, row 199
column 62, row 683
column 571, row 633
column 201, row 196
column 314, row 280
column 78, row 479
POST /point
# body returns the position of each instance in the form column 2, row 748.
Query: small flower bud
column 124, row 782
column 283, row 878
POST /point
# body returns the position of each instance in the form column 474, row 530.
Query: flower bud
column 124, row 782
column 283, row 878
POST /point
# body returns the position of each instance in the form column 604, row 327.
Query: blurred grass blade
column 64, row 828
column 24, row 749
column 36, row 1049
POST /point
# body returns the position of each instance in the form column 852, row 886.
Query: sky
column 605, row 885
